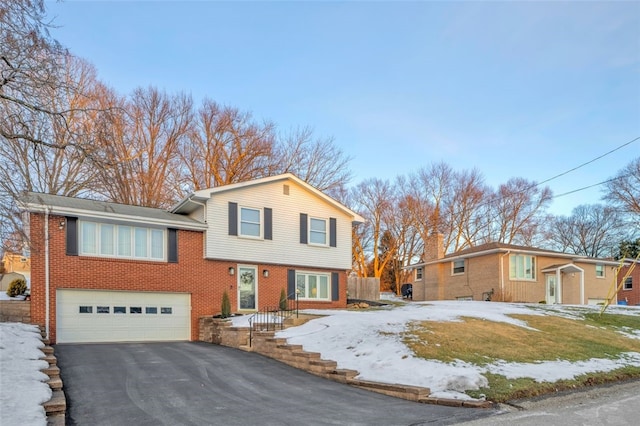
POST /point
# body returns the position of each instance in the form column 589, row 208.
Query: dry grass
column 482, row 342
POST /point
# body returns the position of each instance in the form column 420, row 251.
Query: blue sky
column 526, row 89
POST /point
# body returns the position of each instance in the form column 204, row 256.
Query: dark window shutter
column 72, row 236
column 172, row 243
column 268, row 216
column 332, row 231
column 233, row 218
column 335, row 286
column 291, row 284
column 303, row 228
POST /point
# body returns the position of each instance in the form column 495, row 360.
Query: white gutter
column 46, row 271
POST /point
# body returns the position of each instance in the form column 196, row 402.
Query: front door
column 552, row 288
column 247, row 288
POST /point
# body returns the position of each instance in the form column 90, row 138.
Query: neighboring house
column 630, row 289
column 508, row 272
column 110, row 272
column 16, row 262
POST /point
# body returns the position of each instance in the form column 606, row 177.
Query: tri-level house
column 111, row 272
column 507, row 272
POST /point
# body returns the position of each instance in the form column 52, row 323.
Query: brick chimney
column 434, row 247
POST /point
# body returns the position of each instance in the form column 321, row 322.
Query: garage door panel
column 93, row 316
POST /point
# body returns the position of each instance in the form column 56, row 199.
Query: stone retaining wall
column 222, row 332
column 15, row 311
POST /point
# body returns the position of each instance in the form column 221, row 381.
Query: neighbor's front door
column 247, row 288
column 552, row 288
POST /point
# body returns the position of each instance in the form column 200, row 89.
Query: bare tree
column 225, row 146
column 517, row 209
column 624, row 189
column 319, row 162
column 373, row 199
column 32, row 68
column 592, row 230
column 47, row 167
column 140, row 148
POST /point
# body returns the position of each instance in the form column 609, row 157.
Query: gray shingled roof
column 57, row 204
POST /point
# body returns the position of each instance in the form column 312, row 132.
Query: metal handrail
column 270, row 317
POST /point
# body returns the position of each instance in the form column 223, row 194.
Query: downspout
column 46, row 272
column 582, row 288
column 502, row 273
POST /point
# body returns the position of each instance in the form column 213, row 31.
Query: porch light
column 232, row 270
column 265, row 273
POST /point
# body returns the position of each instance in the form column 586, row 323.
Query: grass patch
column 502, row 389
column 482, row 342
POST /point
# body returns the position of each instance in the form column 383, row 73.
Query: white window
column 457, row 267
column 600, row 270
column 318, row 231
column 418, row 273
column 628, row 283
column 522, row 267
column 312, row 286
column 250, row 222
column 109, row 240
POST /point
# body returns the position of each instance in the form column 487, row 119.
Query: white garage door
column 121, row 316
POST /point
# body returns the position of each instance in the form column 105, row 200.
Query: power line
column 588, row 162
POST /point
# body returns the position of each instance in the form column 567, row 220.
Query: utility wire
column 589, row 162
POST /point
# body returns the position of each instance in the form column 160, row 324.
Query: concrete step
column 56, row 419
column 52, row 371
column 55, row 383
column 52, row 360
column 57, row 403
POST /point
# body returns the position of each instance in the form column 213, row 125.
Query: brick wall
column 15, row 311
column 204, row 279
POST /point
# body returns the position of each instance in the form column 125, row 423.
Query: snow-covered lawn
column 22, row 384
column 366, row 341
column 370, row 342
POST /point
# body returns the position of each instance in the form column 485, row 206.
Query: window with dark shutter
column 233, row 218
column 332, row 231
column 172, row 245
column 303, row 228
column 291, row 284
column 268, row 224
column 72, row 236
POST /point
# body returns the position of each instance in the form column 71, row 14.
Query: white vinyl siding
column 109, row 240
column 522, row 267
column 284, row 247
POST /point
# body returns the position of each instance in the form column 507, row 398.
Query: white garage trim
column 88, row 316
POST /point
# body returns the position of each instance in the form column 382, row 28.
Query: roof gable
column 193, row 201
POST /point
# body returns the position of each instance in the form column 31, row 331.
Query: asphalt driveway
column 193, row 383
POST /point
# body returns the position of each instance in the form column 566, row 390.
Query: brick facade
column 204, row 279
column 632, row 295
